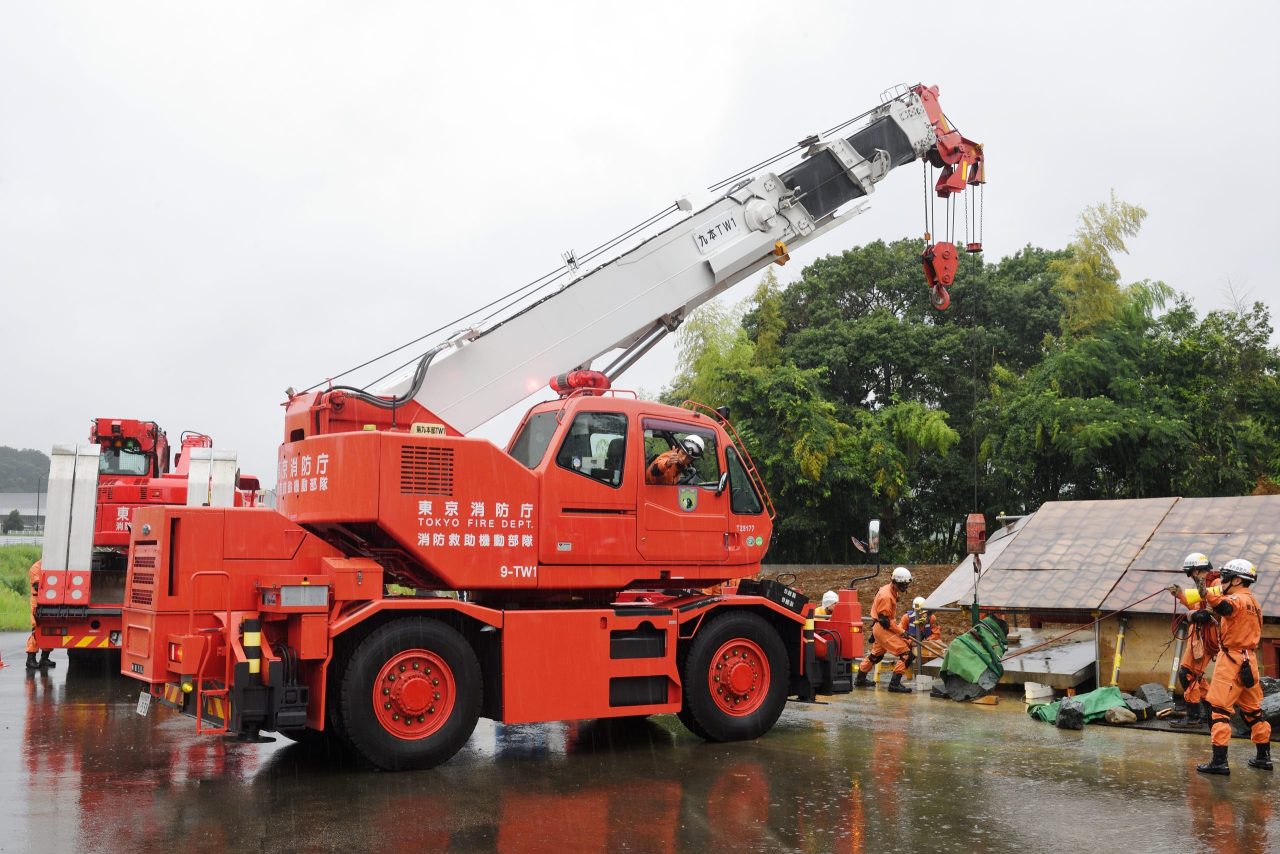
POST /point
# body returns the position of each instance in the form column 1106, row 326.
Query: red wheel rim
column 413, row 694
column 738, row 677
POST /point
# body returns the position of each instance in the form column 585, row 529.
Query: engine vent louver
column 426, row 471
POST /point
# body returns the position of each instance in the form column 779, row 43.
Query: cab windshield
column 123, row 461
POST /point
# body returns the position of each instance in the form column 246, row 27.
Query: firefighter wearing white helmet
column 673, row 466
column 887, row 633
column 1235, row 682
column 829, row 600
column 1201, row 644
column 918, row 624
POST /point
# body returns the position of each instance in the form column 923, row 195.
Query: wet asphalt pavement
column 81, row 771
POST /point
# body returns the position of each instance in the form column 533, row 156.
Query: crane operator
column 669, row 467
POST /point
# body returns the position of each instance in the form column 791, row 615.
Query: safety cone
column 1, row 658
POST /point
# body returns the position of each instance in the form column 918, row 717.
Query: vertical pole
column 1177, row 660
column 977, row 574
column 1115, row 663
column 37, row 525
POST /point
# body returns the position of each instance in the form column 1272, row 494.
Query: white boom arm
column 635, row 299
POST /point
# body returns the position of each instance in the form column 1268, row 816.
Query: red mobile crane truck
column 550, row 580
column 94, row 489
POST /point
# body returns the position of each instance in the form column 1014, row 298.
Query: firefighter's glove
column 884, row 622
column 1201, row 617
column 1173, row 588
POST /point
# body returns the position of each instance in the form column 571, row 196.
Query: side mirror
column 723, row 484
column 873, row 536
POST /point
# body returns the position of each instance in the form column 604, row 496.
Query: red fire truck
column 554, row 578
column 94, row 490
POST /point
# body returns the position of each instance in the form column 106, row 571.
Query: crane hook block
column 940, row 261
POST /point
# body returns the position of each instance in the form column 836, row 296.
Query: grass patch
column 15, row 611
column 15, row 602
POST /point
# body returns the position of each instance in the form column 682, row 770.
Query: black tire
column 368, row 734
column 691, row 723
column 702, row 712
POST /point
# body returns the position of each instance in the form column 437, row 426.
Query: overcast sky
column 201, row 205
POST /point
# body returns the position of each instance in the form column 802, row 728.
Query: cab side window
column 662, row 439
column 596, row 447
column 742, row 493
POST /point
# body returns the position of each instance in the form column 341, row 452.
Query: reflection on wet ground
column 80, row 771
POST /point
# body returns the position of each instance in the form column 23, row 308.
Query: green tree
column 12, row 522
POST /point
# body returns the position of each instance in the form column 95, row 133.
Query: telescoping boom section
column 604, row 563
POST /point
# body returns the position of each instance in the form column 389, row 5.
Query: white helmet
column 1194, row 562
column 918, row 603
column 1241, row 569
column 902, row 575
column 829, row 598
column 694, row 446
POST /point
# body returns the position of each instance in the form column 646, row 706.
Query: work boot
column 44, row 660
column 1263, row 759
column 896, row 686
column 862, row 681
column 31, row 661
column 1218, row 765
column 1192, row 720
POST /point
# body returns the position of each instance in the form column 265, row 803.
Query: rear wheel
column 410, row 694
column 735, row 678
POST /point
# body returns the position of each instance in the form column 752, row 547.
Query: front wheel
column 410, row 694
column 735, row 678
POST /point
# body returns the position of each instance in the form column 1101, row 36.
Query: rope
column 1080, row 628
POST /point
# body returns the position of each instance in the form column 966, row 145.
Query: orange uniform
column 913, row 627
column 1239, row 630
column 1201, row 646
column 666, row 469
column 885, row 632
column 33, row 576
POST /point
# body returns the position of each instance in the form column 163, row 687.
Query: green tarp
column 1095, row 704
column 975, row 652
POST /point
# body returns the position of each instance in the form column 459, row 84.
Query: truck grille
column 139, row 596
column 426, row 471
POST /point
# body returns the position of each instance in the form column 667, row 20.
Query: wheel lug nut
column 395, row 717
column 386, row 691
column 431, row 710
column 386, row 706
column 402, row 668
column 436, row 697
column 416, row 665
column 391, row 677
column 421, row 719
column 435, row 681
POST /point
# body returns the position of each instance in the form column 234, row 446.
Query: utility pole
column 39, row 482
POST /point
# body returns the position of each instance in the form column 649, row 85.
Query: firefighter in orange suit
column 1202, row 642
column 886, row 634
column 33, row 577
column 669, row 467
column 1235, row 673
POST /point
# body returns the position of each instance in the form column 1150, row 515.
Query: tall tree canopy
column 1047, row 379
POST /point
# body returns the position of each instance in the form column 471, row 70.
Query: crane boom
column 635, row 299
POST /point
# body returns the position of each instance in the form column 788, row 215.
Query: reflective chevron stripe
column 86, row 642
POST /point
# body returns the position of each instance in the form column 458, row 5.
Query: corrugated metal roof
column 1105, row 555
